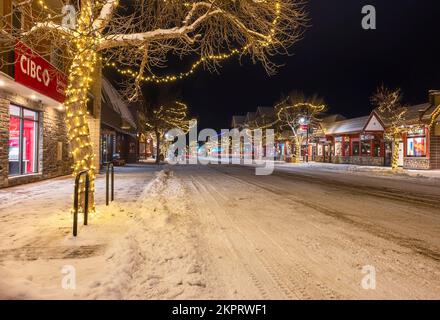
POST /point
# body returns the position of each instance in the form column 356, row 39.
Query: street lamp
column 304, row 120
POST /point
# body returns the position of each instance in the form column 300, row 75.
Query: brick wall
column 4, row 135
column 52, row 133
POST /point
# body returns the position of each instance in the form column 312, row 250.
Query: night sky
column 337, row 59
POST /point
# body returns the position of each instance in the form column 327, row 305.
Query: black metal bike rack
column 107, row 176
column 76, row 200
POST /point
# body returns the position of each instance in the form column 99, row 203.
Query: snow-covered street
column 203, row 232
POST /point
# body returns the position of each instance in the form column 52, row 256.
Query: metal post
column 106, row 185
column 75, row 207
column 86, row 199
column 113, row 182
column 307, row 137
column 107, row 182
column 76, row 200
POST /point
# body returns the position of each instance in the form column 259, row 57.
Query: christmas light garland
column 198, row 63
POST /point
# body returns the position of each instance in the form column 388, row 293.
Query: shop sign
column 366, row 137
column 338, row 139
column 34, row 72
column 416, row 131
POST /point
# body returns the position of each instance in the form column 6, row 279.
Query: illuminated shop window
column 320, row 150
column 416, row 147
column 338, row 149
column 366, row 148
column 376, row 148
column 355, row 148
column 23, row 141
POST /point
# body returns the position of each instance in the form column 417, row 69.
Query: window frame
column 425, row 144
column 22, row 119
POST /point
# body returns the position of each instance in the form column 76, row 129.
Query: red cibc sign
column 38, row 74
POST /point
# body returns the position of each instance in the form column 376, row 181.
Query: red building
column 352, row 141
column 362, row 140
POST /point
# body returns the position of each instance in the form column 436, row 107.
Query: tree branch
column 51, row 26
column 118, row 40
column 105, row 15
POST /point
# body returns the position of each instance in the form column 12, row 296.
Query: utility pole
column 307, row 137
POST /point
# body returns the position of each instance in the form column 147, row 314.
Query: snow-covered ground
column 201, row 232
column 140, row 247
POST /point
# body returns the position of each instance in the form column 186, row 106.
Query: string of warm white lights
column 80, row 79
column 198, row 63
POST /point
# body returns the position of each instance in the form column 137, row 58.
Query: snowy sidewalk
column 373, row 170
column 138, row 247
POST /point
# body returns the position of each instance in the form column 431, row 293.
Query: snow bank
column 144, row 248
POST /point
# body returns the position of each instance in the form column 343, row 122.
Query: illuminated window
column 338, row 148
column 320, row 150
column 416, row 147
column 376, row 148
column 23, row 141
column 355, row 148
column 366, row 148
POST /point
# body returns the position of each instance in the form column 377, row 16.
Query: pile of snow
column 143, row 249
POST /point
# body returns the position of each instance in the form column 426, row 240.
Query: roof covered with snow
column 112, row 98
column 355, row 125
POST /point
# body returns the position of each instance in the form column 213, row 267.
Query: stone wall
column 416, row 163
column 359, row 160
column 363, row 161
column 4, row 135
column 52, row 135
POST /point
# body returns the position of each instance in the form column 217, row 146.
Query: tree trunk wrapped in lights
column 389, row 107
column 138, row 38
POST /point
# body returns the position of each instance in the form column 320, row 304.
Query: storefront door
column 388, row 154
column 328, row 153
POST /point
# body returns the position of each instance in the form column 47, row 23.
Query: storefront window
column 338, row 149
column 416, row 147
column 320, row 150
column 23, row 141
column 347, row 149
column 355, row 148
column 366, row 148
column 376, row 148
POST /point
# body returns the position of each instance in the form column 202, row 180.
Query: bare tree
column 138, row 37
column 388, row 105
column 298, row 111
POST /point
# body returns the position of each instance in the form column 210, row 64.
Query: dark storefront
column 119, row 140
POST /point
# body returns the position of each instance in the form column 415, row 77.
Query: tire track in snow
column 416, row 245
column 282, row 271
column 267, row 285
column 228, row 239
column 286, row 284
